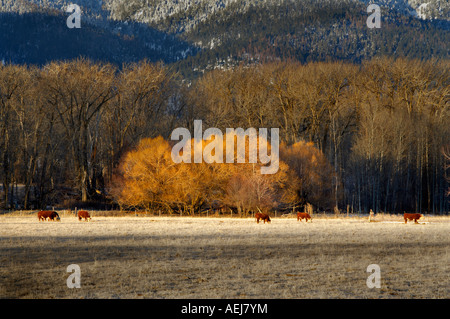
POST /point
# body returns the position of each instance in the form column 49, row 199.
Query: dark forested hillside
column 312, row 31
column 41, row 37
column 200, row 38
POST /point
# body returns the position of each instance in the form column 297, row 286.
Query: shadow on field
column 65, row 250
column 190, row 267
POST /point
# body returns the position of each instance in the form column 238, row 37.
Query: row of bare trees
column 381, row 124
column 66, row 128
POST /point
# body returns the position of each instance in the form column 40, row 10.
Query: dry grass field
column 182, row 257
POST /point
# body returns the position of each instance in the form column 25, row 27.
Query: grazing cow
column 306, row 216
column 262, row 216
column 414, row 217
column 51, row 215
column 84, row 214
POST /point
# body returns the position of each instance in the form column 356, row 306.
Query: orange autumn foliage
column 148, row 178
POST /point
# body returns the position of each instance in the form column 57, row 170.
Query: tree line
column 364, row 136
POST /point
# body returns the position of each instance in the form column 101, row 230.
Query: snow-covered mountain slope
column 189, row 12
column 211, row 32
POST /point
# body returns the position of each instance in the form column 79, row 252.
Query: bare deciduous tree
column 78, row 91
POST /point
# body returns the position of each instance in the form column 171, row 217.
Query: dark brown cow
column 262, row 216
column 51, row 215
column 414, row 217
column 306, row 216
column 84, row 214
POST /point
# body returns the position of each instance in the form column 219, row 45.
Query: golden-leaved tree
column 149, row 178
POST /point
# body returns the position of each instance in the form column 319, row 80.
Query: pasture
column 196, row 257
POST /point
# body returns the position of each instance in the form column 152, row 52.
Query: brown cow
column 51, row 215
column 414, row 217
column 262, row 216
column 306, row 216
column 84, row 214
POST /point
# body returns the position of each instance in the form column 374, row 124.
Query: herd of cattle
column 83, row 214
column 53, row 216
column 306, row 216
column 266, row 218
